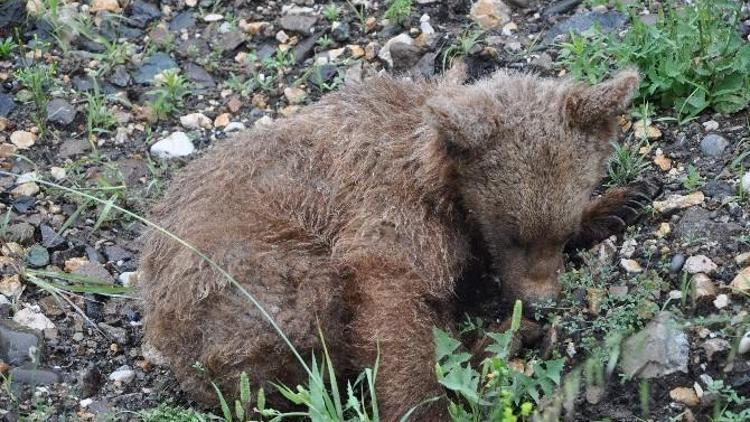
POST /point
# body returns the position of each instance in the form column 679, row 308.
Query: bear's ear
column 593, row 106
column 463, row 119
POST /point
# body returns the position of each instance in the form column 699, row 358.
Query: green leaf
column 463, row 380
column 244, row 388
column 445, row 345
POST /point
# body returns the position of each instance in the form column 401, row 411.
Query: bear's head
column 525, row 155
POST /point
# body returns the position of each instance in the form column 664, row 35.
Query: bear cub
column 359, row 215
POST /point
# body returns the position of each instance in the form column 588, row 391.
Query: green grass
column 331, row 12
column 625, row 165
column 7, row 47
column 99, row 117
column 38, row 79
column 463, row 44
column 398, row 11
column 692, row 59
column 693, row 179
column 169, row 93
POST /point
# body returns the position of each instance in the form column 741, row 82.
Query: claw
column 640, row 194
column 631, row 209
column 617, row 219
column 635, row 204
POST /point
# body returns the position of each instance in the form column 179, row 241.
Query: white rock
column 34, row 319
column 25, row 189
column 745, row 182
column 105, row 5
column 675, row 294
column 234, row 127
column 385, row 52
column 191, row 3
column 721, row 301
column 123, row 374
column 490, row 14
column 710, row 125
column 628, row 248
column 294, row 95
column 677, row 202
column 263, row 121
column 86, row 402
column 126, row 278
column 703, row 287
column 175, row 145
column 195, row 121
column 58, row 173
column 744, row 345
column 22, row 139
column 213, row 17
column 27, row 177
column 742, row 281
column 699, row 264
column 631, row 265
column 742, row 259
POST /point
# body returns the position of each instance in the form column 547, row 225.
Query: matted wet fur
column 359, row 212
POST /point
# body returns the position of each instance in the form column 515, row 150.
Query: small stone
column 37, row 256
column 678, row 202
column 685, row 395
column 595, row 297
column 195, row 121
column 385, row 52
column 6, row 150
column 34, row 319
column 253, row 28
column 221, row 120
column 106, row 6
column 618, row 292
column 661, row 160
column 703, row 287
column 25, row 189
column 298, row 22
column 127, row 278
column 282, row 37
column 713, row 346
column 713, row 145
column 721, row 301
column 744, row 345
column 295, row 95
column 263, row 121
column 22, row 233
column 710, row 125
column 11, row 286
column 340, row 31
column 745, row 182
column 22, row 139
column 370, row 24
column 490, row 14
column 699, row 264
column 741, row 282
column 95, row 271
column 628, row 248
column 356, row 51
column 21, row 377
column 175, row 145
column 18, row 344
column 60, row 111
column 631, row 266
column 123, row 375
column 234, row 127
column 213, row 17
column 642, row 131
column 742, row 259
column 152, row 66
column 663, row 230
column 118, row 334
column 675, row 294
column 678, row 261
column 57, row 173
column 661, row 348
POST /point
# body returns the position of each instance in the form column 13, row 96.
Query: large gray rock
column 60, row 111
column 19, row 345
column 152, row 66
column 606, row 21
column 713, row 145
column 661, row 348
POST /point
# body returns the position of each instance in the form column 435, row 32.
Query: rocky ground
column 109, row 97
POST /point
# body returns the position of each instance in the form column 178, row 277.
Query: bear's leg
column 395, row 317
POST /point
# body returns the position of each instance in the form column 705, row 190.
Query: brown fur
column 360, row 212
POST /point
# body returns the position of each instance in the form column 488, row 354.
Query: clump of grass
column 693, row 179
column 463, row 45
column 38, row 79
column 398, row 11
column 692, row 59
column 625, row 165
column 331, row 12
column 169, row 94
column 325, row 42
column 99, row 118
column 7, row 46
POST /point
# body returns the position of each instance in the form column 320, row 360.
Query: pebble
column 295, row 95
column 678, row 202
column 661, row 160
column 699, row 264
column 22, row 139
column 663, row 230
column 642, row 131
column 703, row 287
column 713, row 346
column 18, row 344
column 301, row 21
column 744, row 345
column 661, row 348
column 105, row 5
column 60, row 111
column 221, row 120
column 745, row 182
column 710, row 125
column 490, row 14
column 741, row 281
column 713, row 145
column 213, row 17
column 742, row 259
column 628, row 248
column 34, row 319
column 385, row 53
column 57, row 173
column 195, row 121
column 721, row 301
column 153, row 66
column 25, row 189
column 32, row 377
column 37, row 256
column 685, row 395
column 234, row 127
column 676, row 264
column 175, row 145
column 123, row 374
column 11, row 286
column 631, row 265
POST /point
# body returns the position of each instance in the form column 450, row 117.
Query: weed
column 398, row 11
column 169, row 94
column 693, row 179
column 169, row 413
column 99, row 118
column 325, row 42
column 726, row 398
column 625, row 165
column 38, row 79
column 465, row 42
column 331, row 12
column 360, row 13
column 7, row 46
column 691, row 58
column 240, row 85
